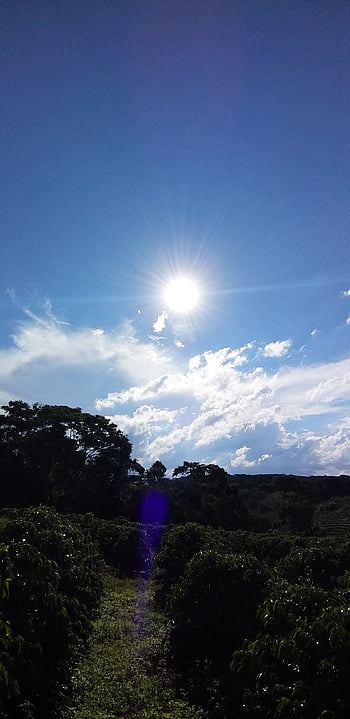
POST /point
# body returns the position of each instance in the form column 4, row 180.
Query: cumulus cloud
column 218, row 405
column 194, row 362
column 264, row 457
column 146, row 420
column 348, row 321
column 248, row 396
column 240, row 458
column 277, row 349
column 345, row 293
column 331, row 449
column 323, row 452
column 160, row 322
column 215, row 400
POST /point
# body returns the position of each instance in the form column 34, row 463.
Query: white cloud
column 163, row 445
column 178, row 343
column 264, row 458
column 315, row 332
column 216, row 401
column 194, row 362
column 348, row 321
column 345, row 293
column 240, row 458
column 134, row 394
column 277, row 349
column 218, row 405
column 326, row 452
column 46, row 340
column 332, row 448
column 251, row 396
column 146, row 420
column 160, row 322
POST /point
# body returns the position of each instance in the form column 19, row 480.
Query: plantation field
column 125, row 673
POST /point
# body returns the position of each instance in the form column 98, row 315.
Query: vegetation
column 258, row 637
column 228, row 597
column 63, row 457
column 50, row 575
column 125, row 672
column 81, row 463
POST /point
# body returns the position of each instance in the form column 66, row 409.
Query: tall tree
column 58, row 451
column 157, row 471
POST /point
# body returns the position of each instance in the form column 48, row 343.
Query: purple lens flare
column 153, row 513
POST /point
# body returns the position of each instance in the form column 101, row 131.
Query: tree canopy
column 62, row 456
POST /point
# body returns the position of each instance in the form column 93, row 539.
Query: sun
column 181, row 294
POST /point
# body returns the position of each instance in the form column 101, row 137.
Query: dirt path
column 124, row 673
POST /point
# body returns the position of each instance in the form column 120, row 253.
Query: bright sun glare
column 181, row 294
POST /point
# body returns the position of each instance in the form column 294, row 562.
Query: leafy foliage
column 51, row 581
column 298, row 663
column 259, row 615
column 179, row 546
column 128, row 547
column 214, row 606
column 78, row 463
column 264, row 637
column 156, row 471
column 319, row 563
column 62, row 456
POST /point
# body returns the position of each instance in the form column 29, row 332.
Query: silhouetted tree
column 60, row 455
column 157, row 471
column 136, row 467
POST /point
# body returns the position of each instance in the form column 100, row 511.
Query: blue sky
column 147, row 140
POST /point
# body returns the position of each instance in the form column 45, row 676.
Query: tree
column 157, row 471
column 136, row 468
column 297, row 511
column 57, row 453
column 190, row 470
column 205, row 493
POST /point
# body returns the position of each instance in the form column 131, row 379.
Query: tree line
column 77, row 462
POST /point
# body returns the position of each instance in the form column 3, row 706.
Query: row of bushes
column 129, row 547
column 50, row 582
column 261, row 623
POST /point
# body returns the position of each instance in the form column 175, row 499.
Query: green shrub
column 53, row 575
column 128, row 547
column 214, row 606
column 321, row 562
column 298, row 664
column 179, row 545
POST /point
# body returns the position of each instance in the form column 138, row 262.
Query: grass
column 125, row 673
